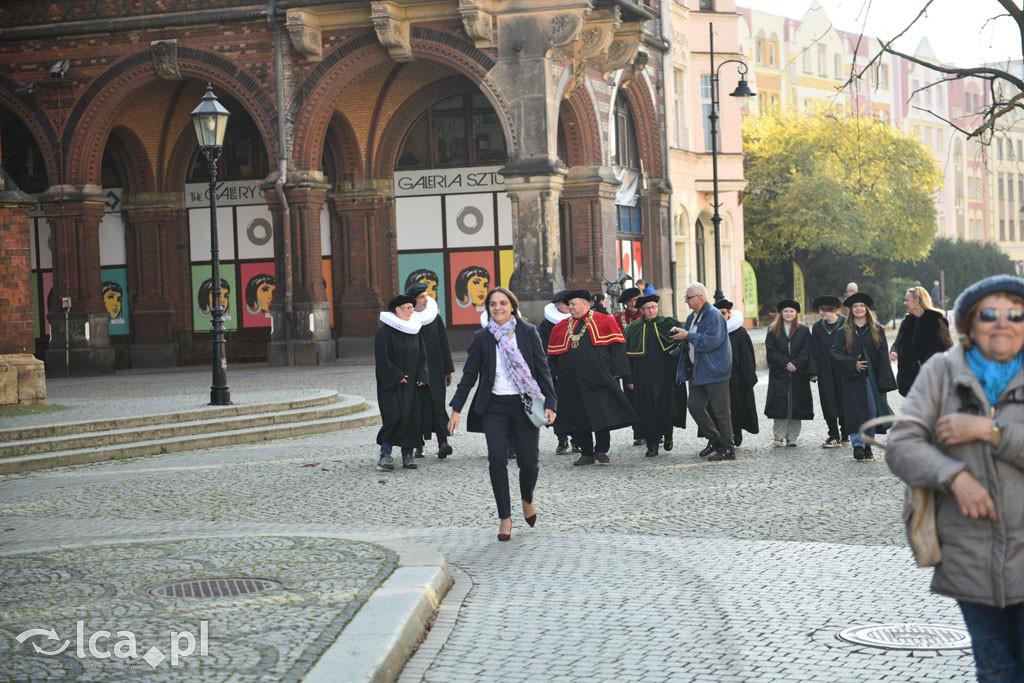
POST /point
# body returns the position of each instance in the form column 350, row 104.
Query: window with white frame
column 807, row 60
column 705, row 108
column 679, row 103
column 822, row 56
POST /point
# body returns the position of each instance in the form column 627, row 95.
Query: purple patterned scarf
column 512, row 358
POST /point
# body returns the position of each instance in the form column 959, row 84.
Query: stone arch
column 681, row 229
column 90, row 121
column 35, row 119
column 394, row 132
column 132, row 160
column 318, row 95
column 645, row 118
column 581, row 132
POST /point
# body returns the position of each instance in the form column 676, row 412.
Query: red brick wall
column 16, row 318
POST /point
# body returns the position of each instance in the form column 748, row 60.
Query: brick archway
column 132, row 160
column 89, row 123
column 581, row 132
column 32, row 115
column 318, row 96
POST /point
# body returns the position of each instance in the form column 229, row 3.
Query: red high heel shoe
column 532, row 519
column 508, row 536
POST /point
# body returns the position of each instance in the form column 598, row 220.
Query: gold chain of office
column 575, row 338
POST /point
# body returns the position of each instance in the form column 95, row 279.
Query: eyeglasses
column 692, row 296
column 991, row 315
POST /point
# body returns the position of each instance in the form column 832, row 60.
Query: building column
column 22, row 376
column 363, row 261
column 655, row 208
column 588, row 227
column 154, row 225
column 79, row 338
column 301, row 332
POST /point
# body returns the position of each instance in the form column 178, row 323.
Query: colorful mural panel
column 471, row 274
column 258, row 284
column 428, row 268
column 202, row 297
column 114, row 290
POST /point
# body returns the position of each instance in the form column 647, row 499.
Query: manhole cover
column 213, row 588
column 907, row 636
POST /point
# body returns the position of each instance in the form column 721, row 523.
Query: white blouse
column 502, row 385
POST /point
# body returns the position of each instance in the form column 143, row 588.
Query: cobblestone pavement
column 650, row 569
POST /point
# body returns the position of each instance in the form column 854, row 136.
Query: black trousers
column 505, row 421
column 600, row 441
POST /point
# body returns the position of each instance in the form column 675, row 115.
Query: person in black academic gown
column 862, row 358
column 788, row 351
column 402, row 379
column 823, row 337
column 653, row 373
column 744, row 374
column 587, row 354
column 555, row 312
column 439, row 360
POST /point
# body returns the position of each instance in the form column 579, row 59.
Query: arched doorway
column 453, row 218
column 699, row 249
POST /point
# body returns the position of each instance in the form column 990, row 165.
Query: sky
column 953, row 27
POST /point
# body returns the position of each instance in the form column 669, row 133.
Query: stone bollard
column 29, row 378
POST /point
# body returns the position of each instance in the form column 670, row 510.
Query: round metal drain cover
column 907, row 636
column 213, row 588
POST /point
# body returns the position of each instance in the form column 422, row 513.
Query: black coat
column 404, row 407
column 742, row 381
column 439, row 362
column 918, row 340
column 654, row 395
column 822, row 340
column 789, row 393
column 588, row 393
column 853, row 388
column 481, row 363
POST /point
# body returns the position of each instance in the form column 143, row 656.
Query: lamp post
column 742, row 90
column 211, row 120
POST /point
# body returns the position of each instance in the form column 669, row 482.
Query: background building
column 469, row 143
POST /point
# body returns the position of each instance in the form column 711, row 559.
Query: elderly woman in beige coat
column 974, row 397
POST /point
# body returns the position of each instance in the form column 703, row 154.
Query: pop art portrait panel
column 202, row 295
column 471, row 275
column 258, row 285
column 428, row 268
column 114, row 292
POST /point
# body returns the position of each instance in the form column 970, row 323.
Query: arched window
column 462, row 130
column 21, row 156
column 626, row 153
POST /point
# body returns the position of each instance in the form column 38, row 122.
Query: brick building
column 465, row 142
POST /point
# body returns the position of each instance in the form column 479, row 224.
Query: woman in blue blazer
column 511, row 364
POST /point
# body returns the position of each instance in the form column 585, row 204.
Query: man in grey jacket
column 705, row 359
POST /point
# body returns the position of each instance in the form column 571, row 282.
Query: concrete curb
column 376, row 644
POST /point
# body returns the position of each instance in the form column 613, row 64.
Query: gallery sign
column 449, row 181
column 228, row 193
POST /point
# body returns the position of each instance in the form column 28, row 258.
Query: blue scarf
column 993, row 376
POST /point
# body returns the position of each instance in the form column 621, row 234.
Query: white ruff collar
column 553, row 315
column 735, row 321
column 427, row 315
column 484, row 319
column 394, row 322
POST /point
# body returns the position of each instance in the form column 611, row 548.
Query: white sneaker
column 779, row 443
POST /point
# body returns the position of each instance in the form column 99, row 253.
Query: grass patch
column 18, row 409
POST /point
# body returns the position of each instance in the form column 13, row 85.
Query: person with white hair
column 705, row 359
column 851, row 289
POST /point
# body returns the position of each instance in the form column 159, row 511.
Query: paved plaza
column 649, row 569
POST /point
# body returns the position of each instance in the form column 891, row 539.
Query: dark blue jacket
column 712, row 350
column 481, row 363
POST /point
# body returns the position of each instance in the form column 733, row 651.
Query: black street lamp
column 742, row 90
column 211, row 120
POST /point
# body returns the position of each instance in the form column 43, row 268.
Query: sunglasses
column 990, row 315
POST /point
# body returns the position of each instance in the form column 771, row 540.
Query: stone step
column 189, row 427
column 318, row 398
column 368, row 415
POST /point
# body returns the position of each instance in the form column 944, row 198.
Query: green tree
column 964, row 262
column 851, row 186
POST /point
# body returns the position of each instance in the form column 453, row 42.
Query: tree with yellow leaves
column 851, row 185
